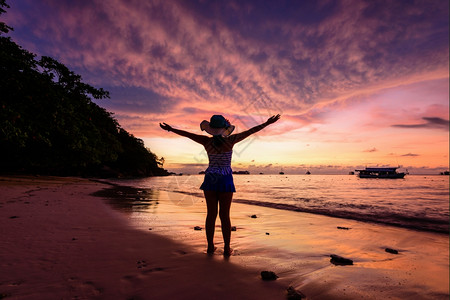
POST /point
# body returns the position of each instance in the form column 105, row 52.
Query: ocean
column 418, row 202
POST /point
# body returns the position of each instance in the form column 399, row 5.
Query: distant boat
column 380, row 173
column 351, row 173
column 281, row 173
column 445, row 173
column 308, row 173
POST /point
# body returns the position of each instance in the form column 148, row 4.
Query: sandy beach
column 61, row 242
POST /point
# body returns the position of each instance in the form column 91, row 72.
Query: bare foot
column 227, row 252
column 211, row 250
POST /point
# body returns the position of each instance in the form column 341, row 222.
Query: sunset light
column 357, row 83
column 224, row 149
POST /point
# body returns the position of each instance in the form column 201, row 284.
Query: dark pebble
column 339, row 260
column 389, row 250
column 13, row 217
column 343, row 228
column 141, row 264
column 293, row 294
column 197, row 228
column 268, row 275
column 267, row 233
column 233, row 228
column 253, row 216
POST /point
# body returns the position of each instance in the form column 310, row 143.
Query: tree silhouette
column 49, row 123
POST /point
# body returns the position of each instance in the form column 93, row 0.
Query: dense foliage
column 49, row 124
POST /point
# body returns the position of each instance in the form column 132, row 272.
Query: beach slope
column 59, row 242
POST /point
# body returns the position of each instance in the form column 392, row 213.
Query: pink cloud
column 340, row 73
column 179, row 53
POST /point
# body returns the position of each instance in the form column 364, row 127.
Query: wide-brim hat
column 217, row 125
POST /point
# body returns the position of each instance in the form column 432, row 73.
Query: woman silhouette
column 218, row 186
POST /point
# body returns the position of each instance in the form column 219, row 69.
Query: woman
column 218, row 186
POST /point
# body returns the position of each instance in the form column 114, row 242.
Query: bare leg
column 225, row 199
column 211, row 215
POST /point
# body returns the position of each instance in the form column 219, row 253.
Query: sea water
column 417, row 201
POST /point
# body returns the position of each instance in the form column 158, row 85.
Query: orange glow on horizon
column 353, row 88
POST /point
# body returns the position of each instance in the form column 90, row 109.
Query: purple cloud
column 296, row 53
column 431, row 123
column 411, row 154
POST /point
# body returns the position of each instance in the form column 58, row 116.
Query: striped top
column 220, row 163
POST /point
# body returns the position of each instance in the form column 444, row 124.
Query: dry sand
column 60, row 242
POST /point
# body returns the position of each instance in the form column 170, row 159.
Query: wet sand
column 60, row 242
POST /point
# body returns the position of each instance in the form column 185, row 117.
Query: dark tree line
column 49, row 124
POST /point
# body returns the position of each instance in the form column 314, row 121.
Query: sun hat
column 217, row 125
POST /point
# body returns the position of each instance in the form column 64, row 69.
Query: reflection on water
column 417, row 202
column 300, row 245
column 129, row 199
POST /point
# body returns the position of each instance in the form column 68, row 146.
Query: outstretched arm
column 201, row 139
column 241, row 136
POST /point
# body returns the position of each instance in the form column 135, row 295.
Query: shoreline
column 62, row 242
column 400, row 210
column 59, row 242
column 297, row 246
column 344, row 216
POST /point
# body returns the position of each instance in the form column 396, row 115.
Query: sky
column 357, row 83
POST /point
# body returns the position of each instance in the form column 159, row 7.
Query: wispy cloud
column 411, row 154
column 346, row 75
column 294, row 54
column 430, row 123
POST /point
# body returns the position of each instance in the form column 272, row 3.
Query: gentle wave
column 416, row 202
column 395, row 219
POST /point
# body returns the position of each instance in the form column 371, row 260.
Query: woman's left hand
column 273, row 119
column 166, row 126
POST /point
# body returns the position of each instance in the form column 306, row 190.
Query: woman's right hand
column 273, row 119
column 166, row 126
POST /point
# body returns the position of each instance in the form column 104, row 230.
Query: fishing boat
column 380, row 173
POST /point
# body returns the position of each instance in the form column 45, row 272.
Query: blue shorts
column 218, row 182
